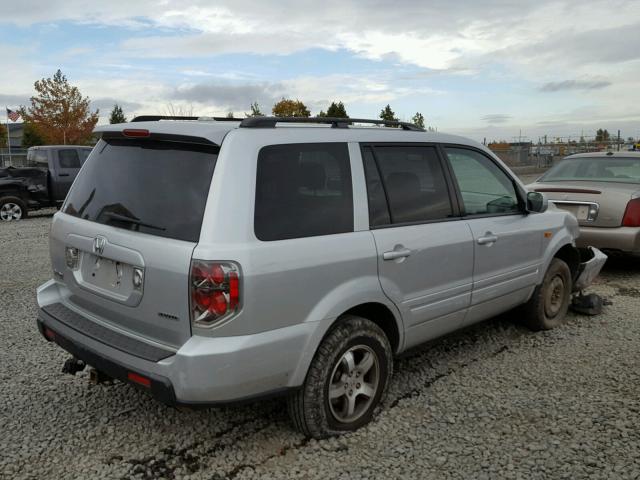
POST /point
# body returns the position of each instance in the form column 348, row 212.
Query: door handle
column 488, row 239
column 63, row 174
column 395, row 254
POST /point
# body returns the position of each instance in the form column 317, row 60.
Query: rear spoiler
column 140, row 134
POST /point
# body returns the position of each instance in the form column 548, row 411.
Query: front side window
column 303, row 190
column 68, row 158
column 414, row 184
column 485, row 188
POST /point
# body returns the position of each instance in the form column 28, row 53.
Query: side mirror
column 536, row 202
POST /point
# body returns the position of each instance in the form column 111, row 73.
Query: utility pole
column 618, row 139
column 6, row 110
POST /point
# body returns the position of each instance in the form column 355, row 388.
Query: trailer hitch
column 73, row 365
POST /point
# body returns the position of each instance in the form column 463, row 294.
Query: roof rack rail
column 157, row 118
column 270, row 122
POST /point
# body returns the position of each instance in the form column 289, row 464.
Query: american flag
column 13, row 116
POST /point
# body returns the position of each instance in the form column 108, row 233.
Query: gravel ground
column 495, row 401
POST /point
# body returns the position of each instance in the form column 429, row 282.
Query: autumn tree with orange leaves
column 290, row 108
column 59, row 113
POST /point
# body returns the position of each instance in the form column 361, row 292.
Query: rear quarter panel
column 284, row 282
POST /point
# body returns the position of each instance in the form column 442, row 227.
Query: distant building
column 515, row 153
column 16, row 132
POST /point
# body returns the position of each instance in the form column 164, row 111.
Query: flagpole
column 6, row 110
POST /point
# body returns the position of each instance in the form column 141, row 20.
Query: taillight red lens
column 234, row 289
column 218, row 303
column 215, row 291
column 217, row 274
column 632, row 214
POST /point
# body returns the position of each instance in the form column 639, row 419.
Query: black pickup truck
column 44, row 183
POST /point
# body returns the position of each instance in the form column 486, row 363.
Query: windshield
column 595, row 169
column 155, row 187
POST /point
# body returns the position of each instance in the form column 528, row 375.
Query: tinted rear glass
column 595, row 169
column 414, row 183
column 303, row 190
column 155, row 187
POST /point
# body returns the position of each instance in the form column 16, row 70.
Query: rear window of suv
column 150, row 186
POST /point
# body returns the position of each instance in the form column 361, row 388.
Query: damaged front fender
column 591, row 262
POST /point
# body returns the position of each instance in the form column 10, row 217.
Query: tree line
column 59, row 114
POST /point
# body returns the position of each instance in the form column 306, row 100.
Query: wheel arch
column 382, row 313
column 569, row 254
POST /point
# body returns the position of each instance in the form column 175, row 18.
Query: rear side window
column 84, row 153
column 414, row 184
column 155, row 187
column 68, row 158
column 303, row 190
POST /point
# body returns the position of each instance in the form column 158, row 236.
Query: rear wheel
column 346, row 380
column 12, row 208
column 549, row 303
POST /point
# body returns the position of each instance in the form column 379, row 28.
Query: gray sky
column 480, row 68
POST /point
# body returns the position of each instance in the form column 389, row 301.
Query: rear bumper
column 160, row 387
column 624, row 239
column 204, row 371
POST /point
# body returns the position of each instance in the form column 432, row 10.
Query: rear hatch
column 124, row 239
column 610, row 199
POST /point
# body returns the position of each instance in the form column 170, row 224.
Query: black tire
column 310, row 409
column 547, row 307
column 9, row 214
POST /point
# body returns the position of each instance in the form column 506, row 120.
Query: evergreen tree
column 31, row 136
column 336, row 110
column 418, row 120
column 388, row 114
column 117, row 115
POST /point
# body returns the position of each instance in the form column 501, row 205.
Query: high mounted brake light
column 135, row 132
column 215, row 291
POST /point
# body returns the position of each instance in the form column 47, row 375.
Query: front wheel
column 12, row 208
column 346, row 380
column 549, row 303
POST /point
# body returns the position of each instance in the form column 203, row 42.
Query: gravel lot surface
column 496, row 401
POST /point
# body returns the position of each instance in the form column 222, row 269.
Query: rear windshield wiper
column 133, row 221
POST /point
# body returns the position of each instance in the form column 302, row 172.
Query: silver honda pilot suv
column 209, row 261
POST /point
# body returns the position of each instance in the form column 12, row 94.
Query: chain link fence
column 18, row 157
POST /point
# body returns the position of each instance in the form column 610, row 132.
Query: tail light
column 632, row 214
column 214, row 290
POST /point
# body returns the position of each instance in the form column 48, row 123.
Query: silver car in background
column 602, row 190
column 209, row 261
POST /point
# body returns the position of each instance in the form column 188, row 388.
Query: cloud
column 106, row 104
column 574, row 85
column 229, row 97
column 496, row 118
column 13, row 101
column 433, row 34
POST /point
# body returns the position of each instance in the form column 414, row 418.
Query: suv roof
column 342, row 129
